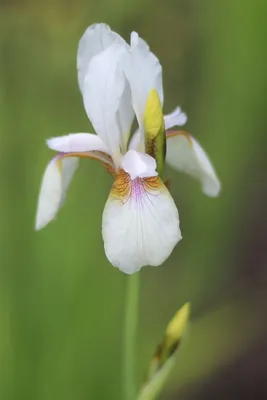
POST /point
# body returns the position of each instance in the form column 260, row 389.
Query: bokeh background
column 62, row 304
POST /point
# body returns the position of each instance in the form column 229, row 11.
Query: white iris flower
column 118, row 81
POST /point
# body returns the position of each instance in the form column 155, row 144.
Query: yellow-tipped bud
column 163, row 361
column 154, row 130
column 153, row 115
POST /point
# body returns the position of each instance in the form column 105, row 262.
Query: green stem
column 130, row 327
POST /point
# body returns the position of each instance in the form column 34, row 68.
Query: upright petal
column 144, row 73
column 136, row 143
column 140, row 220
column 107, row 100
column 185, row 154
column 125, row 117
column 95, row 39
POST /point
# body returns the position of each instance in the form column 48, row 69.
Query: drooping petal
column 56, row 181
column 175, row 118
column 77, row 142
column 95, row 39
column 107, row 100
column 144, row 73
column 185, row 154
column 140, row 221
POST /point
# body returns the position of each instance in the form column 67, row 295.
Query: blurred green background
column 62, row 304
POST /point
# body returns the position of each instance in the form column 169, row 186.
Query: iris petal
column 140, row 223
column 185, row 154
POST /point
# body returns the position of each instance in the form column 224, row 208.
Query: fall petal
column 185, row 154
column 140, row 223
column 55, row 183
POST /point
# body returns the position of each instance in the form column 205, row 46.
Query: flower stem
column 130, row 327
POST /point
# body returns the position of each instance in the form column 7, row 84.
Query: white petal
column 144, row 72
column 77, row 142
column 105, row 92
column 55, row 183
column 185, row 154
column 139, row 165
column 175, row 118
column 140, row 223
column 135, row 142
column 96, row 38
column 134, row 39
column 125, row 117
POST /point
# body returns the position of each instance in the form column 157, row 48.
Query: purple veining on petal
column 140, row 193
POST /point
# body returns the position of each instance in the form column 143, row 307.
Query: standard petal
column 75, row 142
column 144, row 73
column 55, row 183
column 107, row 100
column 95, row 39
column 140, row 223
column 136, row 143
column 185, row 154
column 175, row 118
column 125, row 117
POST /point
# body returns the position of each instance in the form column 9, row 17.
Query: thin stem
column 130, row 327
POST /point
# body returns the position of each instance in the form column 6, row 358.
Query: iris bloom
column 140, row 224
